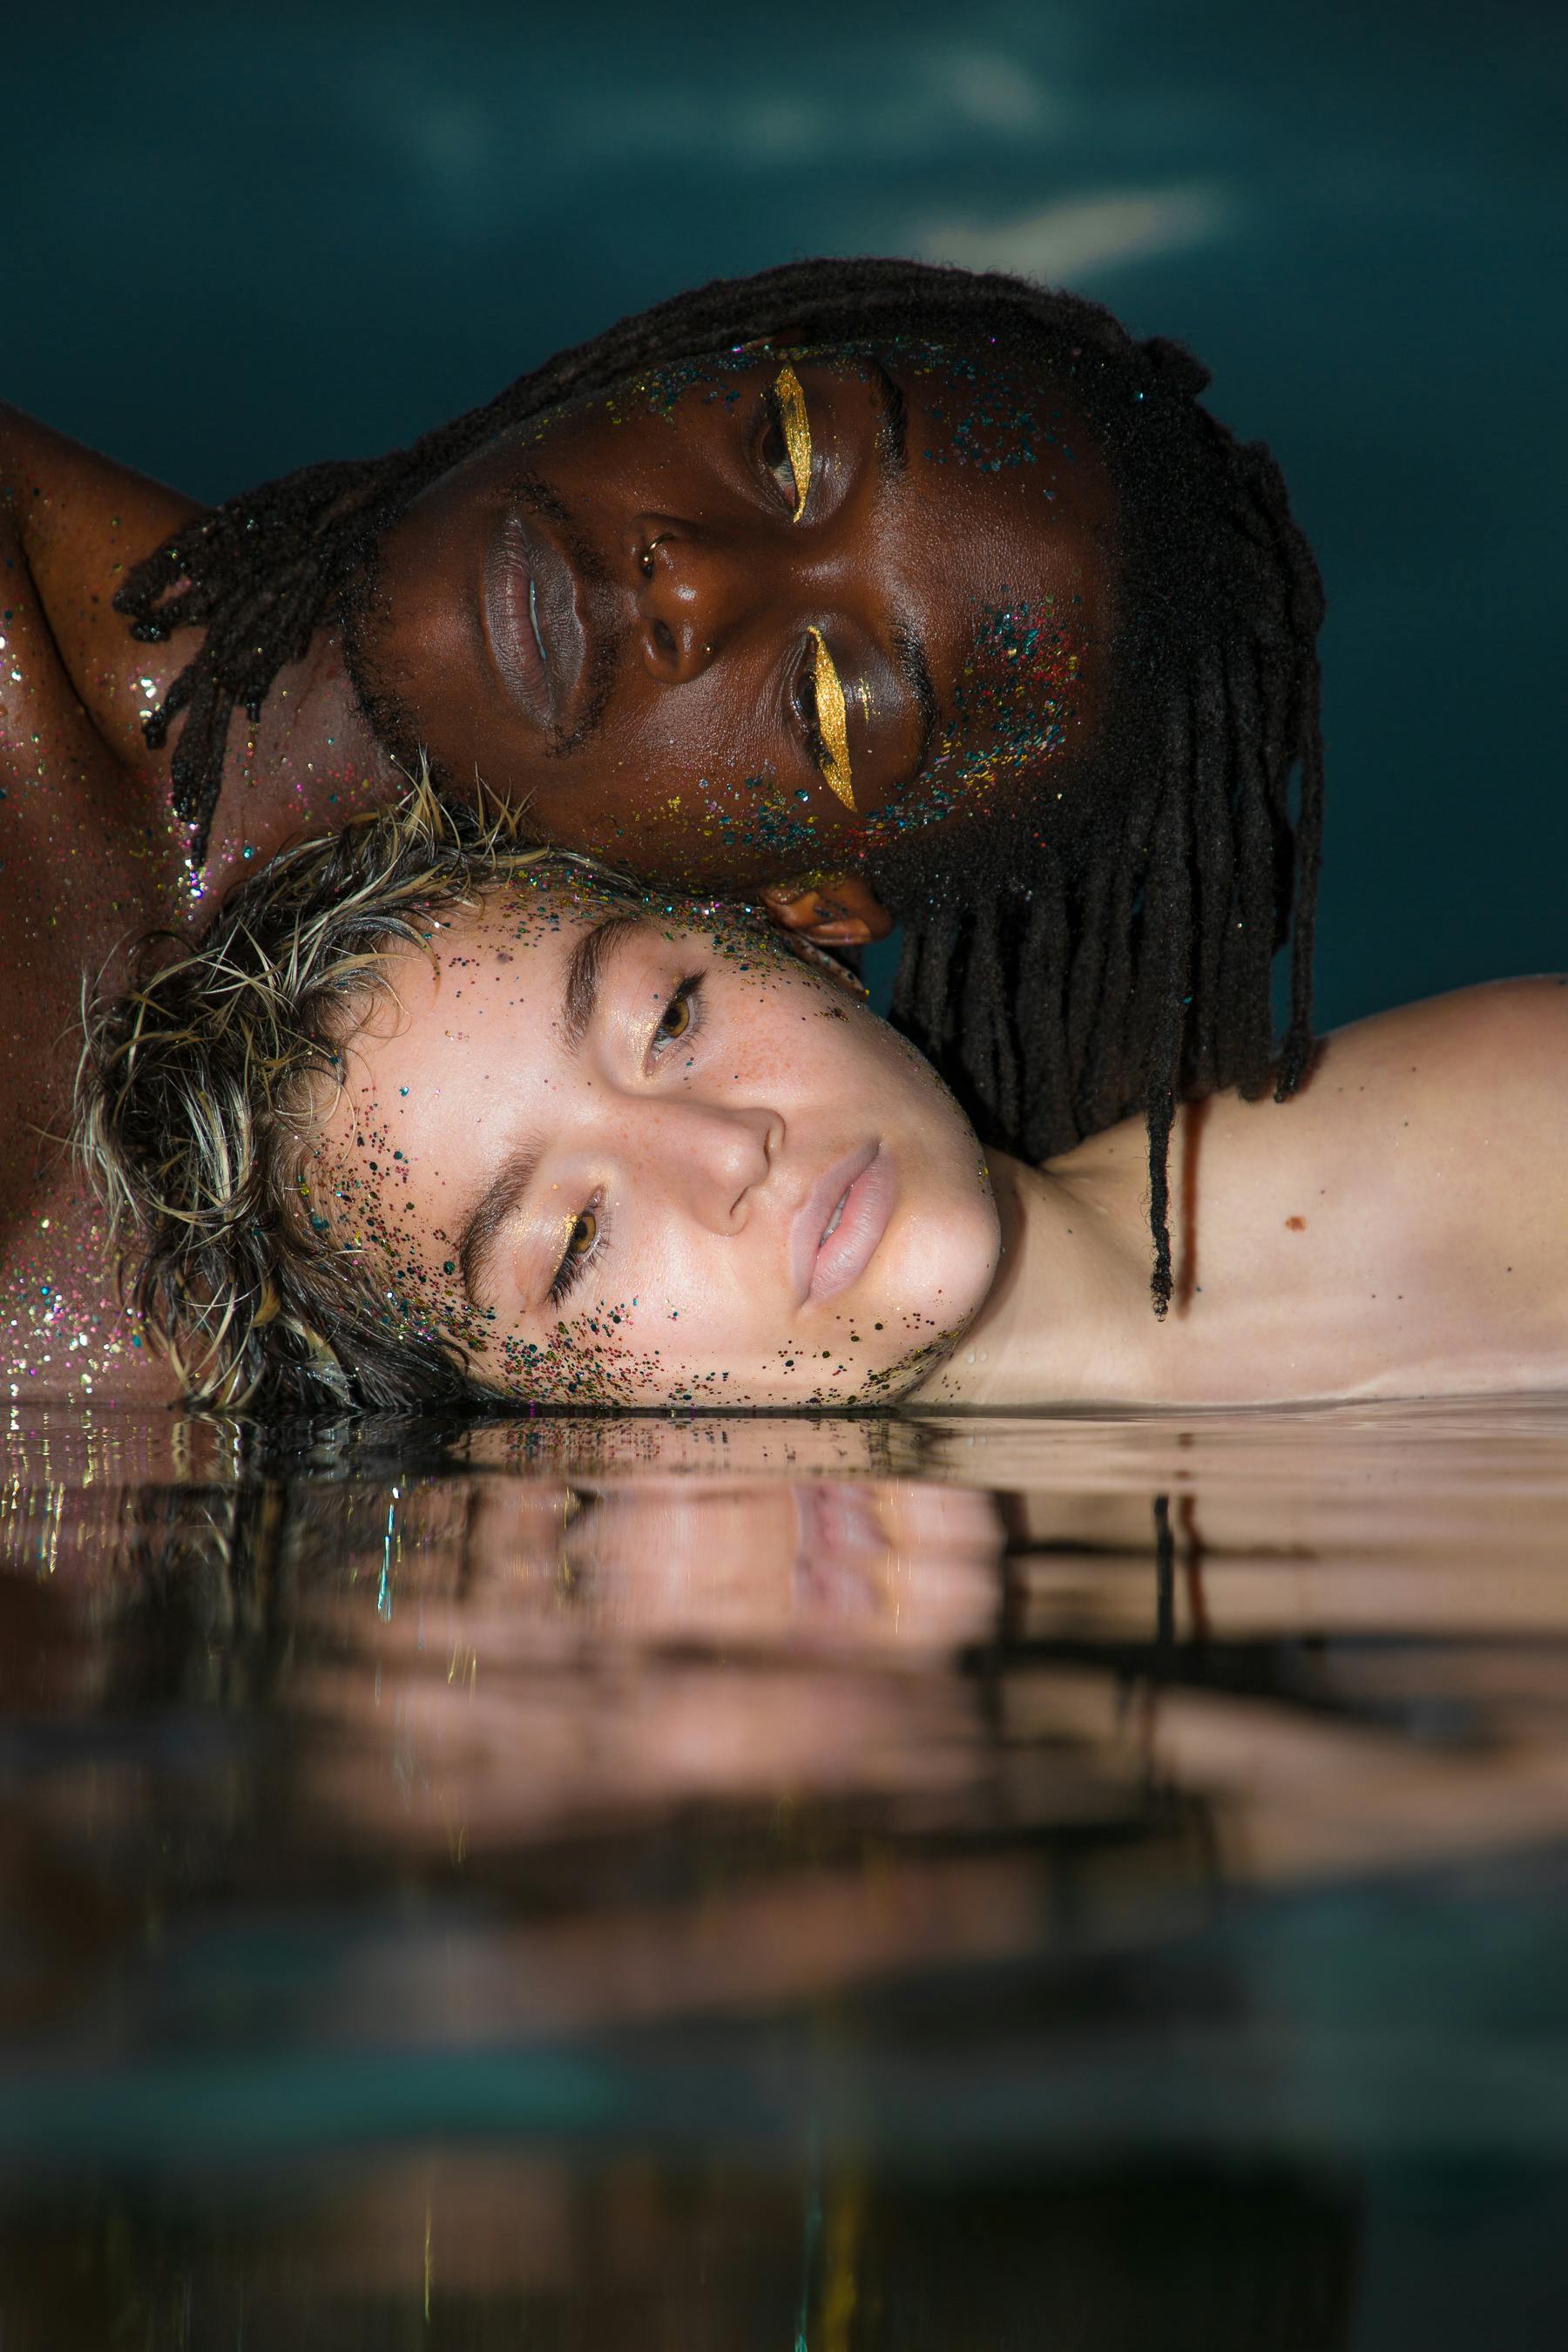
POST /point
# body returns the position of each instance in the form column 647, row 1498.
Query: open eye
column 683, row 1013
column 786, row 443
column 583, row 1242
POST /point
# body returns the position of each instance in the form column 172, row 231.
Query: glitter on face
column 989, row 415
column 796, row 426
column 832, row 720
column 92, row 855
column 615, row 1347
column 1012, row 713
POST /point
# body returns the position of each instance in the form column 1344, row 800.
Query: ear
column 840, row 912
column 826, row 965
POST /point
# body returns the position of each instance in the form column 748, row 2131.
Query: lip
column 534, row 624
column 866, row 1181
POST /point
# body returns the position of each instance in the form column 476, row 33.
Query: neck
column 1069, row 1314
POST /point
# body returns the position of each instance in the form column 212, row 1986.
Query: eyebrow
column 892, row 420
column 893, row 455
column 579, row 1001
column 910, row 654
column 478, row 1238
column 586, row 971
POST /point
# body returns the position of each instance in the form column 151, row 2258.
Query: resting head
column 429, row 1117
column 768, row 612
column 708, row 591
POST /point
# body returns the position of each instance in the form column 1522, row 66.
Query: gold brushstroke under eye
column 832, row 724
column 796, row 426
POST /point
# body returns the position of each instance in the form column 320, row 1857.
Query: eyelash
column 805, row 700
column 572, row 1269
column 778, row 471
column 689, row 991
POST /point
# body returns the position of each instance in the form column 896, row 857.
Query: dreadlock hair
column 198, row 1088
column 1059, row 977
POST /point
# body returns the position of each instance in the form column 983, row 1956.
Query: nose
column 693, row 590
column 709, row 1158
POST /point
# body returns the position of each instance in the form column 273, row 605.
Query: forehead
column 1005, row 452
column 513, row 946
column 533, row 946
column 995, row 414
column 462, row 1037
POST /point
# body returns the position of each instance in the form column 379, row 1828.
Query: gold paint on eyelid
column 831, row 722
column 796, row 428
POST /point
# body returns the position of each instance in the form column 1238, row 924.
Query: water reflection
column 874, row 1853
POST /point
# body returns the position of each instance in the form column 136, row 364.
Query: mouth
column 535, row 623
column 840, row 1226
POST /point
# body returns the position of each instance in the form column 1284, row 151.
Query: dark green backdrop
column 236, row 239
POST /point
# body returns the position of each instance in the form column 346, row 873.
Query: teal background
column 239, row 239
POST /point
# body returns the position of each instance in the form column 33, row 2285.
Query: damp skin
column 76, row 855
column 678, row 1161
column 92, row 856
column 735, row 617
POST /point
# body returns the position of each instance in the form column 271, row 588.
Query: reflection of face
column 851, row 1563
column 562, row 1662
column 629, row 1161
column 723, row 623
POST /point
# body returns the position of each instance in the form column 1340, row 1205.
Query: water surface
column 950, row 1882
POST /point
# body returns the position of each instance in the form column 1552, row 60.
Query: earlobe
column 818, row 959
column 841, row 911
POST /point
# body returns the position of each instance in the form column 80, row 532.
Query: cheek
column 945, row 1255
column 667, row 1324
column 712, row 1338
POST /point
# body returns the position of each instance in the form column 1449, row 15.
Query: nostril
column 664, row 639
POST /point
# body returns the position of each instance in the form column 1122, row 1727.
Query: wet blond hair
column 199, row 1088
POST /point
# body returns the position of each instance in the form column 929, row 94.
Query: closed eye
column 824, row 718
column 805, row 700
column 786, row 450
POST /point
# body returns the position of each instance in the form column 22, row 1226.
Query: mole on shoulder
column 1296, row 1224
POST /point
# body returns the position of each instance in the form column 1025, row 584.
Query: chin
column 933, row 1279
column 947, row 1258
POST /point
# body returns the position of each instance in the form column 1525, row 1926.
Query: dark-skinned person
column 427, row 1119
column 879, row 590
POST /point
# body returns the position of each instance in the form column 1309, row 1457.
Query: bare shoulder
column 44, row 469
column 1416, row 1129
column 1454, row 1114
column 78, row 521
column 1506, row 1037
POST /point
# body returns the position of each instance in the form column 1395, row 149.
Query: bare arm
column 71, row 525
